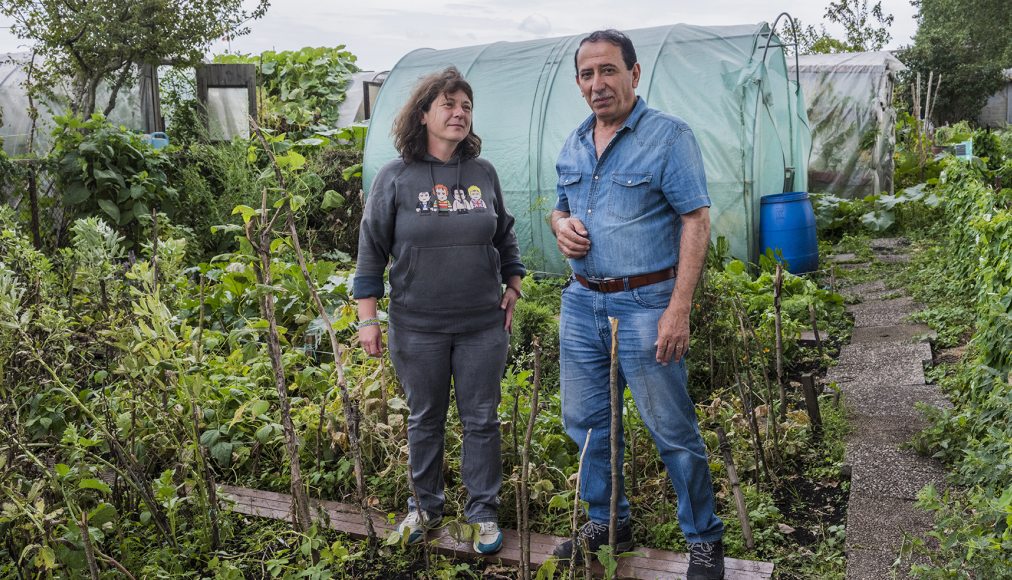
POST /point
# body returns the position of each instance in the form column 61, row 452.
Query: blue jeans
column 425, row 363
column 659, row 391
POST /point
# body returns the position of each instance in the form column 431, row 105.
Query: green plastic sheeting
column 748, row 117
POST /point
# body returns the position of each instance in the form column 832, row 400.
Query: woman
column 450, row 317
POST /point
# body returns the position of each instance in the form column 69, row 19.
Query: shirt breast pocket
column 630, row 194
column 569, row 181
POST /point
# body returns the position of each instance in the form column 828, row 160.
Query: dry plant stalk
column 350, row 409
column 426, row 549
column 616, row 420
column 778, row 289
column 523, row 497
column 732, row 476
column 261, row 244
column 574, row 531
column 771, row 423
column 815, row 329
column 89, row 551
column 212, row 493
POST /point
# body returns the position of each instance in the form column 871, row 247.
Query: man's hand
column 672, row 335
column 571, row 236
column 673, row 327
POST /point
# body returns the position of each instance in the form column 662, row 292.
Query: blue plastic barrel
column 787, row 224
column 157, row 140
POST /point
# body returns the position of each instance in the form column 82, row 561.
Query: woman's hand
column 508, row 303
column 371, row 339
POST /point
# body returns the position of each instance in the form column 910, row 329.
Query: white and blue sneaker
column 416, row 524
column 488, row 540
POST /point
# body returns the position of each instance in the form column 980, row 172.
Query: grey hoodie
column 451, row 239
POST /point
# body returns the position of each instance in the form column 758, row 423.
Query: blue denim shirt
column 631, row 198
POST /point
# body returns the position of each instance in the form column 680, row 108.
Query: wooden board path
column 647, row 564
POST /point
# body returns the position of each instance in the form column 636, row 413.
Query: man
column 633, row 219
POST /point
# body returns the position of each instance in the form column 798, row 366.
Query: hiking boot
column 489, row 538
column 706, row 561
column 591, row 537
column 417, row 523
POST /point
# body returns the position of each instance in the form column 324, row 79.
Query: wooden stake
column 616, row 421
column 574, row 531
column 812, row 403
column 739, row 498
column 33, row 202
column 778, row 286
column 524, row 520
column 815, row 330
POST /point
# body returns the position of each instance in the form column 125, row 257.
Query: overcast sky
column 379, row 32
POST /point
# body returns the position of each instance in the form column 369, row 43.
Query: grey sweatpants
column 425, row 362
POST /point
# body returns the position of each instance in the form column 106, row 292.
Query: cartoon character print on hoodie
column 442, row 199
column 424, row 206
column 460, row 202
column 477, row 204
column 464, row 265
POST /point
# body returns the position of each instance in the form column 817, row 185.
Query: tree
column 865, row 29
column 91, row 41
column 968, row 43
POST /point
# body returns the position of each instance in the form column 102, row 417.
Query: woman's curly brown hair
column 410, row 136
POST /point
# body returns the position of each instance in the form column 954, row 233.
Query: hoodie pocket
column 452, row 278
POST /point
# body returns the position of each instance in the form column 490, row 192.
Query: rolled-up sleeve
column 684, row 178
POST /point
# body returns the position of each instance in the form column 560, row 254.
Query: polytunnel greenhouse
column 730, row 83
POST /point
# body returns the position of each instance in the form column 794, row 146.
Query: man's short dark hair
column 614, row 37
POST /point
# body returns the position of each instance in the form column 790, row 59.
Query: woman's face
column 448, row 120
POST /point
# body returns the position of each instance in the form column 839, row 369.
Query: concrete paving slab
column 863, row 291
column 883, row 312
column 893, row 401
column 853, row 266
column 891, row 245
column 875, row 565
column 886, row 430
column 842, row 258
column 870, row 374
column 888, row 471
column 885, row 353
column 894, row 333
column 893, row 258
column 878, row 523
column 881, row 364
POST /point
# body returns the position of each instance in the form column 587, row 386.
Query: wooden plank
column 648, row 563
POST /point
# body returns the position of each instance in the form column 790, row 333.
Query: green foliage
column 913, row 159
column 911, row 208
column 106, row 170
column 967, row 42
column 965, row 279
column 102, row 40
column 302, row 89
column 865, row 29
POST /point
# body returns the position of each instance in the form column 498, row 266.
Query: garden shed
column 734, row 91
column 849, row 98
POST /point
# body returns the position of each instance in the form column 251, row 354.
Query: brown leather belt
column 620, row 284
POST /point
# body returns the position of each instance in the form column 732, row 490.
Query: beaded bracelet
column 368, row 322
column 519, row 293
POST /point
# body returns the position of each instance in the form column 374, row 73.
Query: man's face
column 606, row 83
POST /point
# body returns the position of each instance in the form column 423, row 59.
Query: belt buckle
column 603, row 284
